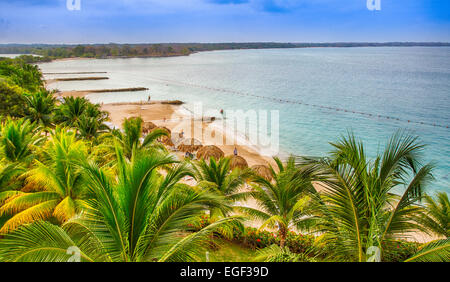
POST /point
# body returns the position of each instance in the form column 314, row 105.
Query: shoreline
column 294, row 46
column 229, row 46
column 175, row 118
column 172, row 115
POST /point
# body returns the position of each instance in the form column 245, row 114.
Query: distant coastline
column 50, row 52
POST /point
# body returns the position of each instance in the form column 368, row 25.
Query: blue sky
column 142, row 21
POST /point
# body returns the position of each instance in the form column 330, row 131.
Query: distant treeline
column 49, row 52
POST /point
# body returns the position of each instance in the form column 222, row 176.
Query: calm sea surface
column 400, row 83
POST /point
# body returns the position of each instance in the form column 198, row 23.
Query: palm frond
column 274, row 253
column 436, row 217
column 38, row 242
column 40, row 211
column 192, row 246
column 436, row 251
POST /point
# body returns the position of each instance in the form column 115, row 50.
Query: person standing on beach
column 235, row 151
column 148, row 99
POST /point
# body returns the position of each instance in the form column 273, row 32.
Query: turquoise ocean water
column 400, row 83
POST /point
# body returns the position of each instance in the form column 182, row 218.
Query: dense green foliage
column 18, row 72
column 17, row 78
column 12, row 100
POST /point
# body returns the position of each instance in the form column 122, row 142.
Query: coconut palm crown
column 218, row 177
column 132, row 140
column 360, row 207
column 57, row 188
column 18, row 140
column 283, row 202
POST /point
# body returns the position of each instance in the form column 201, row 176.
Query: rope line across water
column 298, row 102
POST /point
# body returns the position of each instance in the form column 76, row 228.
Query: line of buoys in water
column 301, row 103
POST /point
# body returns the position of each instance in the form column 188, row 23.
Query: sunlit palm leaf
column 38, row 242
column 436, row 251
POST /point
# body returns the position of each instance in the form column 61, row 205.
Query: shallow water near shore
column 400, row 83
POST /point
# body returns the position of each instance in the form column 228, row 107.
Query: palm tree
column 132, row 140
column 137, row 216
column 437, row 216
column 19, row 139
column 87, row 118
column 284, row 202
column 359, row 209
column 40, row 106
column 217, row 177
column 69, row 112
column 59, row 191
column 90, row 128
column 94, row 111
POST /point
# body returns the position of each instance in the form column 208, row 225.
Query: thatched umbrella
column 263, row 171
column 166, row 140
column 168, row 130
column 209, row 151
column 237, row 162
column 148, row 126
column 189, row 145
